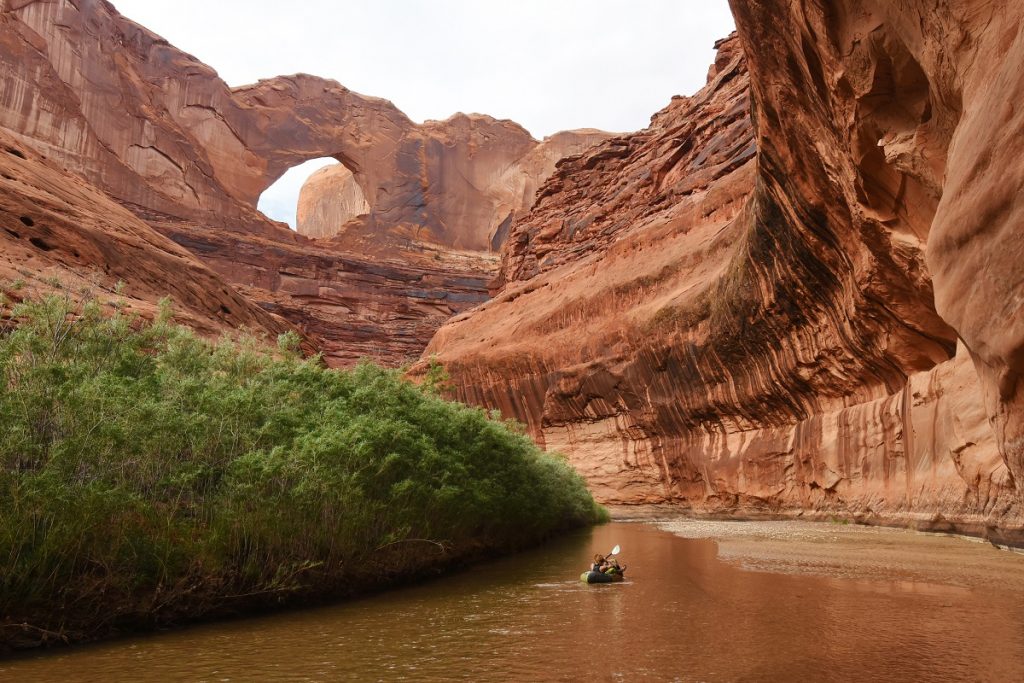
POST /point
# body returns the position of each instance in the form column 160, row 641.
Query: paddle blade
column 615, row 551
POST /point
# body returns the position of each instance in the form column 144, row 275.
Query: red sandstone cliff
column 161, row 133
column 764, row 314
column 155, row 127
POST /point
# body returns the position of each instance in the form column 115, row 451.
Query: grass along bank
column 149, row 477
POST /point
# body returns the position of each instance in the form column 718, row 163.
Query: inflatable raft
column 600, row 577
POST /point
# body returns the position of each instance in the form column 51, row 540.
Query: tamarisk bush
column 148, row 476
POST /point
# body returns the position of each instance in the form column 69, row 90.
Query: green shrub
column 148, row 475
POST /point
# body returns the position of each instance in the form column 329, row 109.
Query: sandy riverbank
column 847, row 551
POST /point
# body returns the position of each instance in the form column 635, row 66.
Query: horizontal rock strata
column 350, row 306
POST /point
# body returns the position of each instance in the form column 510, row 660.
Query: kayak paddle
column 615, row 551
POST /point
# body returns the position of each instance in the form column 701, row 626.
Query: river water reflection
column 684, row 614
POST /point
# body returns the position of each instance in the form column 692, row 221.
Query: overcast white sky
column 550, row 65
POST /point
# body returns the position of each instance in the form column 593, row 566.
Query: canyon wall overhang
column 791, row 293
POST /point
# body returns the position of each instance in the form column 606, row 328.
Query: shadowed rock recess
column 796, row 292
column 162, row 134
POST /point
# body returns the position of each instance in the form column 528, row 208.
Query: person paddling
column 612, row 566
column 604, row 569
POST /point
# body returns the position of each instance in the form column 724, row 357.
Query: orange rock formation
column 475, row 175
column 62, row 234
column 160, row 133
column 329, row 198
column 814, row 311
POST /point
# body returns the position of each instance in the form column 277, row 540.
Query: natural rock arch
column 176, row 140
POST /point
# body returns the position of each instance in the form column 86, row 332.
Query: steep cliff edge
column 740, row 315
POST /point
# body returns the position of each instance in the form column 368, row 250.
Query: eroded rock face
column 62, row 235
column 384, row 307
column 914, row 96
column 812, row 308
column 517, row 186
column 164, row 136
column 740, row 315
column 157, row 128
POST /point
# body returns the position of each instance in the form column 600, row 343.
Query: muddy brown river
column 704, row 601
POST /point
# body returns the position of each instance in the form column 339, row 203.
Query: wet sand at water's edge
column 850, row 551
column 703, row 601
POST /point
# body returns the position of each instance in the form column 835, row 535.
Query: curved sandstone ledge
column 923, row 455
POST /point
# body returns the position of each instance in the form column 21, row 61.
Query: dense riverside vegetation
column 148, row 476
